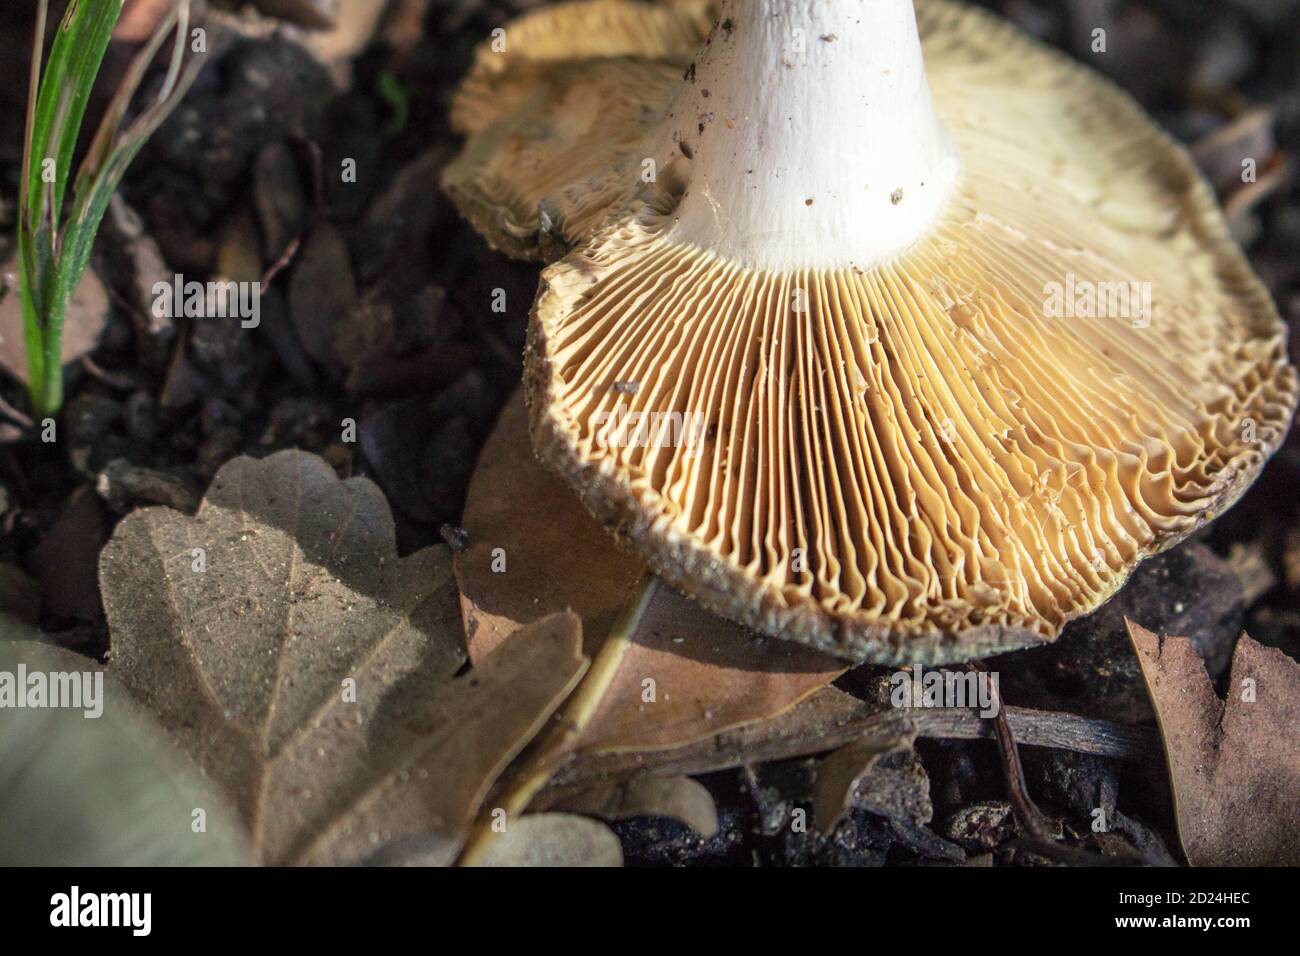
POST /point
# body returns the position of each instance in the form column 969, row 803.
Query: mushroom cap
column 945, row 456
column 559, row 116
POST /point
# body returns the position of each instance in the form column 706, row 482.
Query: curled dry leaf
column 1234, row 765
column 554, row 839
column 308, row 670
column 98, row 791
column 679, row 798
column 687, row 674
column 845, row 777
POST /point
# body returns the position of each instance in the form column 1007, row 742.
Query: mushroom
column 893, row 333
column 558, row 108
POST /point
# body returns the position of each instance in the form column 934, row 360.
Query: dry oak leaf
column 1234, row 765
column 308, row 669
column 533, row 550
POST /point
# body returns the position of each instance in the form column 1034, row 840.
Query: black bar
column 334, row 906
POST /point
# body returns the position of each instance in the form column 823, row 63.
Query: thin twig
column 17, row 417
column 1027, row 812
column 121, row 381
column 831, row 718
column 281, row 263
column 1032, row 820
column 178, row 52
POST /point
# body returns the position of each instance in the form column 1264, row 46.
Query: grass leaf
column 54, row 254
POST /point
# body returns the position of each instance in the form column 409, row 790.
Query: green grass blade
column 75, row 58
column 56, row 110
column 55, row 253
column 33, row 337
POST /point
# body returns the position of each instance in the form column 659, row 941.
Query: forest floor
column 376, row 311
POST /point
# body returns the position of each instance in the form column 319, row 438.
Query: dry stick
column 1031, row 819
column 1027, row 812
column 18, row 418
column 122, row 381
column 849, row 719
column 281, row 263
column 557, row 744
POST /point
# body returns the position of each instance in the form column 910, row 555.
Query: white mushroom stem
column 812, row 136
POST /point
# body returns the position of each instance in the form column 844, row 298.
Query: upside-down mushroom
column 894, row 333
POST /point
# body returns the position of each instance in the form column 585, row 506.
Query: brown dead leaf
column 237, row 251
column 83, row 323
column 510, row 485
column 308, row 669
column 476, row 725
column 843, row 775
column 554, row 839
column 687, row 674
column 679, row 798
column 322, row 293
column 279, row 199
column 1234, row 766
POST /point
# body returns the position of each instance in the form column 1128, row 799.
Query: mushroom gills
column 940, row 445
